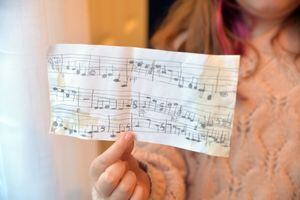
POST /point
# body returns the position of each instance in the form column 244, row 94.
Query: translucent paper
column 180, row 99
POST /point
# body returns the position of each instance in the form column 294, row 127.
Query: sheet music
column 184, row 100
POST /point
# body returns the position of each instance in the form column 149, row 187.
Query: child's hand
column 116, row 173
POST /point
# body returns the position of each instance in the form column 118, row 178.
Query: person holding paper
column 264, row 160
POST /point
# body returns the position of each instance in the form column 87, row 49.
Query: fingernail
column 128, row 136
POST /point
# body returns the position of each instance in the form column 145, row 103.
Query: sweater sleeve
column 166, row 169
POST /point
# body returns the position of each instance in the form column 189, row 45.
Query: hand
column 116, row 173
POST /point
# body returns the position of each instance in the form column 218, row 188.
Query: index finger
column 116, row 151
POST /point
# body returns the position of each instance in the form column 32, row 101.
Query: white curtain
column 34, row 164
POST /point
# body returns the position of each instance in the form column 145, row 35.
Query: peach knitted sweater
column 264, row 161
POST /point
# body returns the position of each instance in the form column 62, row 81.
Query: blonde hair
column 184, row 17
column 206, row 29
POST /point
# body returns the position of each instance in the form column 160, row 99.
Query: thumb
column 130, row 144
column 121, row 149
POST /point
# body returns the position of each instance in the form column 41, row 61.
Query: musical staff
column 117, row 70
column 101, row 93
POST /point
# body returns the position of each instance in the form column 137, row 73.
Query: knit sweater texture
column 264, row 161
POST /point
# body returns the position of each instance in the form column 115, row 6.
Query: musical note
column 158, row 93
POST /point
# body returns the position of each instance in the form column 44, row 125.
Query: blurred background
column 34, row 164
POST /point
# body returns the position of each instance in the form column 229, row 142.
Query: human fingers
column 139, row 193
column 123, row 145
column 110, row 178
column 126, row 187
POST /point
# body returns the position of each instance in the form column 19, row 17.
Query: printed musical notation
column 180, row 99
